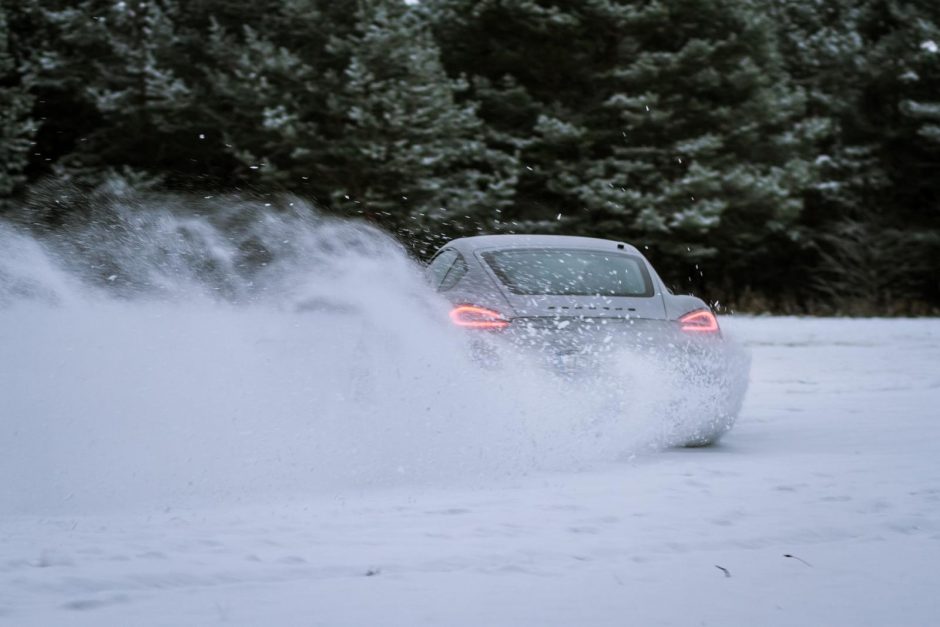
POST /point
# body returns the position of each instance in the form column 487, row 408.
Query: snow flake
column 930, row 46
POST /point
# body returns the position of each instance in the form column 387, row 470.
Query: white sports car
column 574, row 300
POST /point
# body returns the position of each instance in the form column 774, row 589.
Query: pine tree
column 266, row 72
column 16, row 126
column 410, row 154
column 261, row 94
column 110, row 65
column 870, row 69
column 825, row 53
column 901, row 105
column 900, row 110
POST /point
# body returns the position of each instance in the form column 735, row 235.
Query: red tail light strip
column 474, row 317
column 701, row 321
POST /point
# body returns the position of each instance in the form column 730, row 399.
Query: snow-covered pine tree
column 902, row 103
column 900, row 111
column 16, row 126
column 115, row 63
column 261, row 97
column 824, row 52
column 871, row 70
column 410, row 153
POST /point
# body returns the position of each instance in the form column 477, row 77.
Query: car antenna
column 619, row 246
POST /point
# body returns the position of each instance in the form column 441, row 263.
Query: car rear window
column 565, row 272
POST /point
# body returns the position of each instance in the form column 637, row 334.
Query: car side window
column 456, row 272
column 437, row 269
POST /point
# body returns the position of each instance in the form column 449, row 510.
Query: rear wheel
column 710, row 432
column 702, row 442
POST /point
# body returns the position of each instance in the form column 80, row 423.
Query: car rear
column 565, row 296
column 578, row 304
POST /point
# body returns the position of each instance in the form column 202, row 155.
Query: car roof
column 483, row 242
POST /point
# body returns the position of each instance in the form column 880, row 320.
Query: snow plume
column 177, row 351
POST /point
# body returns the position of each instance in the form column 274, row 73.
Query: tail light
column 477, row 318
column 701, row 321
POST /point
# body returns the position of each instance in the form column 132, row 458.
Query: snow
column 187, row 440
column 833, row 463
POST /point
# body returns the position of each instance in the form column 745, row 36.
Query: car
column 573, row 301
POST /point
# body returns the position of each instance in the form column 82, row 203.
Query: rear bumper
column 590, row 341
column 585, row 350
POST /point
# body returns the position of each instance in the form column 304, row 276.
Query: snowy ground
column 822, row 507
